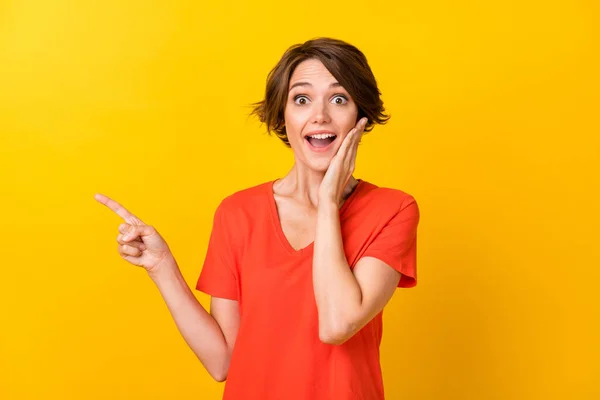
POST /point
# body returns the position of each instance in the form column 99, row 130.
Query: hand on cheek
column 341, row 166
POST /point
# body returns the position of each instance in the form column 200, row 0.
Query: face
column 319, row 114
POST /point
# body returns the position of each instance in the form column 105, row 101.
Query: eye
column 340, row 99
column 300, row 100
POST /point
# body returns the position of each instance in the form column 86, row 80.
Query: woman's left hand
column 341, row 166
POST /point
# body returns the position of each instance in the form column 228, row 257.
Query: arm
column 211, row 337
column 346, row 301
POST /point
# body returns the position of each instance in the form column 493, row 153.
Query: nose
column 321, row 113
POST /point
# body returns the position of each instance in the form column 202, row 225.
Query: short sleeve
column 396, row 243
column 219, row 277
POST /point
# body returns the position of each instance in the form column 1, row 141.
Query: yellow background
column 495, row 130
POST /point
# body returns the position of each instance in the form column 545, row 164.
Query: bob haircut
column 344, row 61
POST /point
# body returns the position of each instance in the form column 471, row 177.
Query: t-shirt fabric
column 278, row 354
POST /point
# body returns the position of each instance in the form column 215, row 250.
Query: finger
column 354, row 145
column 124, row 228
column 347, row 142
column 127, row 250
column 352, row 139
column 360, row 126
column 359, row 135
column 355, row 134
column 360, row 129
column 136, row 231
column 352, row 158
column 118, row 209
column 350, row 155
column 138, row 243
column 137, row 261
column 133, row 260
column 127, row 228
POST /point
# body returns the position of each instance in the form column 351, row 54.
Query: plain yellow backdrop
column 495, row 130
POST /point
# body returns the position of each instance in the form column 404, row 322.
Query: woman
column 299, row 268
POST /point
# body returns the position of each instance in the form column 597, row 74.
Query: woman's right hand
column 139, row 244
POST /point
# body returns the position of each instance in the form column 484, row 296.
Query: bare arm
column 346, row 300
column 211, row 337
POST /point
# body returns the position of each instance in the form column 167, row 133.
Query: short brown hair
column 344, row 61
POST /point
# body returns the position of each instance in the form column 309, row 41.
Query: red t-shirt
column 278, row 354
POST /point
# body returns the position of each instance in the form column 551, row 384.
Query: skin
column 210, row 336
column 314, row 189
column 314, row 105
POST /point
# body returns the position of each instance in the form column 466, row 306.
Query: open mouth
column 321, row 140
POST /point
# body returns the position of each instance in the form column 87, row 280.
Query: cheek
column 293, row 118
column 347, row 122
column 294, row 122
column 346, row 116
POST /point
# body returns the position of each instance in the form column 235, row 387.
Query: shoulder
column 244, row 201
column 388, row 200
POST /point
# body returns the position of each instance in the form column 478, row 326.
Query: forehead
column 312, row 71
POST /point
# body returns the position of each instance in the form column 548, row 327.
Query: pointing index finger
column 118, row 209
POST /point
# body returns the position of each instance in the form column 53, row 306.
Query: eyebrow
column 333, row 85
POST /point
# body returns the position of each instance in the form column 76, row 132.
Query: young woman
column 300, row 268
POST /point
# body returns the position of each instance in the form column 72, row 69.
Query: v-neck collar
column 276, row 222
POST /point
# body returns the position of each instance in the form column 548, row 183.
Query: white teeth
column 322, row 136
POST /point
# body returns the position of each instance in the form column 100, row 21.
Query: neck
column 303, row 184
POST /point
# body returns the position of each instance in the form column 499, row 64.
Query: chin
column 319, row 165
column 318, row 162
